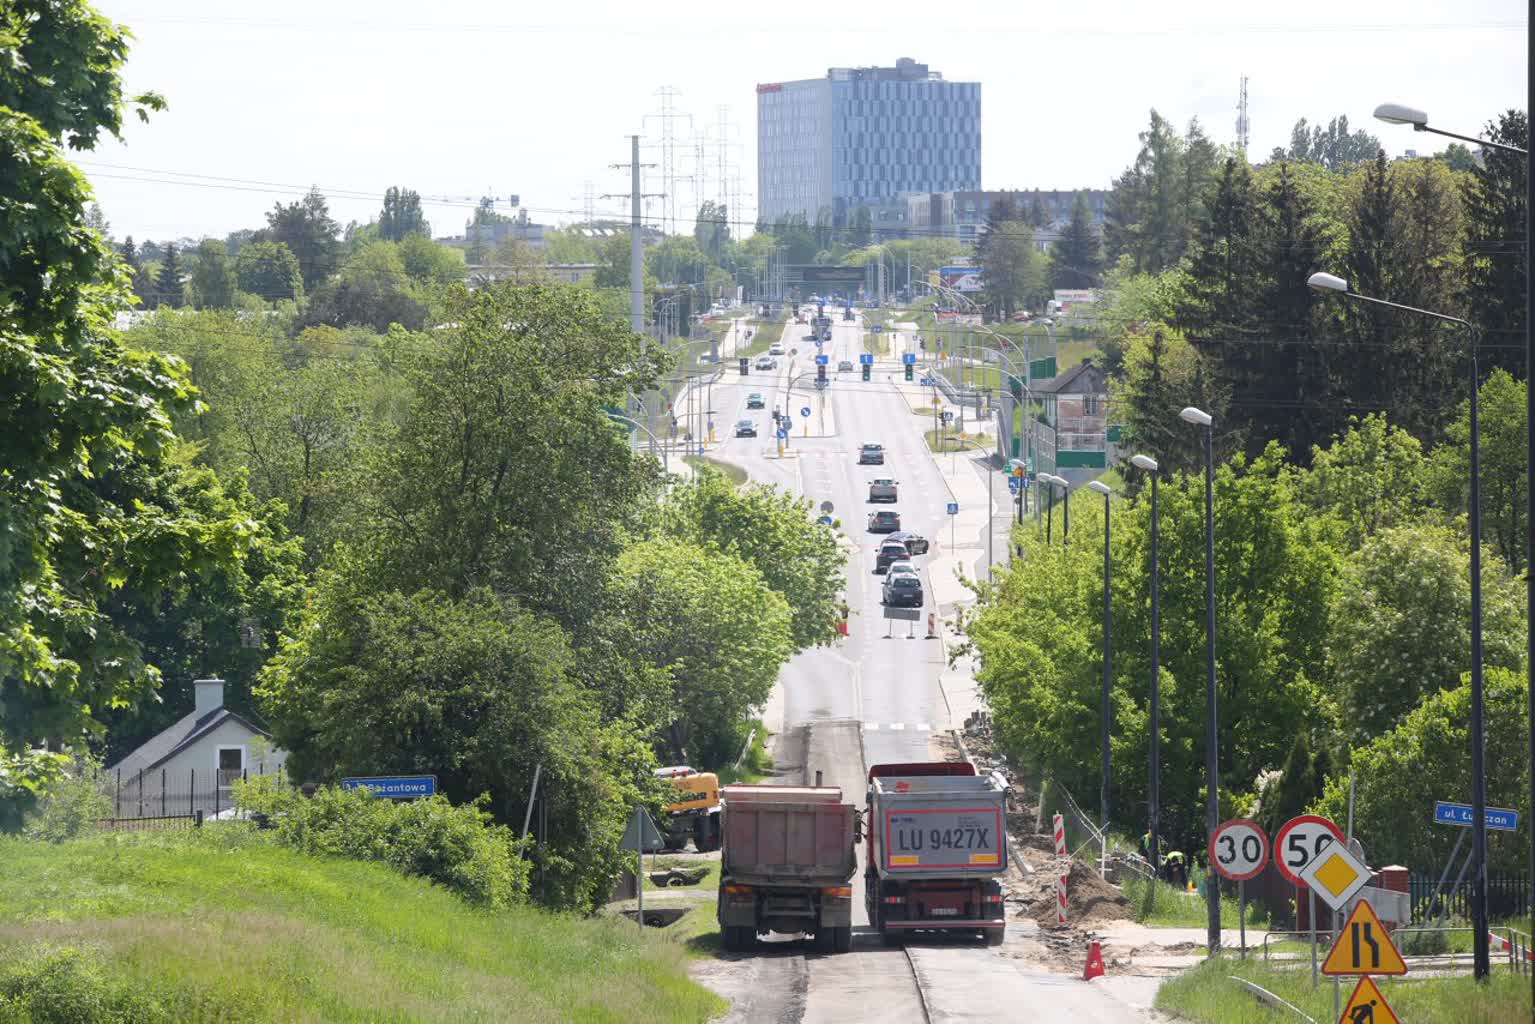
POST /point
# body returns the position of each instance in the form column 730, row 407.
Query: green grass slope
column 224, row 925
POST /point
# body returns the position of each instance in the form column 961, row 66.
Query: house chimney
column 209, row 695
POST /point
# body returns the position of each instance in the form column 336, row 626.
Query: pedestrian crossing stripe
column 897, row 726
column 1368, row 1006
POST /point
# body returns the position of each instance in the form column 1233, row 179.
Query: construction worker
column 1146, row 853
column 1175, row 868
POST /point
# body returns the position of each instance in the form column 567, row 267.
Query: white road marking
column 871, row 726
column 898, row 725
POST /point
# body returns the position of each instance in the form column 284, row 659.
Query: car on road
column 776, row 349
column 746, row 428
column 884, row 521
column 754, row 401
column 900, row 567
column 903, row 589
column 826, row 334
column 767, row 363
column 871, row 455
column 845, row 366
column 891, row 552
column 883, row 489
column 915, row 543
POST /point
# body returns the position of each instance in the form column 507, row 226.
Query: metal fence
column 1507, row 896
column 158, row 823
column 161, row 793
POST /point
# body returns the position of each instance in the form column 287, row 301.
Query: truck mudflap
column 938, row 905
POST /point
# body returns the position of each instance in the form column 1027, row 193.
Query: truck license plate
column 944, row 911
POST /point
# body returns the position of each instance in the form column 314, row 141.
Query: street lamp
column 1396, row 113
column 1480, row 951
column 1051, row 481
column 1153, row 787
column 1103, row 724
column 1212, row 705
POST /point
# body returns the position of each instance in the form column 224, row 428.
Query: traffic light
column 866, row 369
column 745, row 366
column 820, row 373
column 909, row 368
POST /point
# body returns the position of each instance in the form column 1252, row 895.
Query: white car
column 767, row 363
column 776, row 349
column 900, row 567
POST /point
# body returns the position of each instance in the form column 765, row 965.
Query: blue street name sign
column 927, row 382
column 805, row 412
column 953, row 508
column 1500, row 818
column 867, row 359
column 909, row 358
column 395, row 787
column 821, row 360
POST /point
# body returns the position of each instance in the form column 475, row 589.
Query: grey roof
column 171, row 741
column 1071, row 382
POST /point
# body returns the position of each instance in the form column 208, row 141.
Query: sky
column 470, row 97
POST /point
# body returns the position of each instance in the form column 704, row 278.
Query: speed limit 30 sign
column 1239, row 849
column 1299, row 840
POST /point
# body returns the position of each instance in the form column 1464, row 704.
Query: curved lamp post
column 1481, row 952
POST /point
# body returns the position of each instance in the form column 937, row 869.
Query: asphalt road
column 873, row 698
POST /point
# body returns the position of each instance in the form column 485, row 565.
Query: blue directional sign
column 867, row 359
column 821, row 360
column 805, row 412
column 395, row 787
column 1014, row 484
column 1500, row 818
column 927, row 382
column 783, row 435
column 910, row 358
column 953, row 508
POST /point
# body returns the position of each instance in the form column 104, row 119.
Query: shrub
column 69, row 806
column 457, row 847
column 44, row 983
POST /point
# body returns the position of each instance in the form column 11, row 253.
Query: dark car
column 884, row 521
column 890, row 552
column 746, row 428
column 883, row 489
column 754, row 400
column 903, row 589
column 871, row 455
column 915, row 543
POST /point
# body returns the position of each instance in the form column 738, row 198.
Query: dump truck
column 937, row 835
column 790, row 853
column 695, row 813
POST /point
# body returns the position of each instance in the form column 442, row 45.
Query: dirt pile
column 1089, row 899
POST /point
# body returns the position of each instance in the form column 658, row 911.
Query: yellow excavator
column 695, row 813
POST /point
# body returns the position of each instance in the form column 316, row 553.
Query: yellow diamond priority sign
column 1335, row 875
column 1368, row 1006
column 1364, row 946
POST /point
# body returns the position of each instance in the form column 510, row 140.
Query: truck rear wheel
column 739, row 940
column 842, row 938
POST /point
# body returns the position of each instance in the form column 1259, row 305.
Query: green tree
column 401, row 216
column 860, row 227
column 306, row 228
column 1457, row 157
column 90, row 454
column 426, row 262
column 1147, row 219
column 1163, row 373
column 473, row 689
column 1505, row 450
column 169, row 284
column 1399, row 623
column 1006, row 255
column 1495, row 217
column 776, row 534
column 1373, row 477
column 213, row 277
column 1334, row 147
column 1400, row 774
column 1076, row 260
column 373, row 290
column 1037, row 217
column 714, row 626
column 711, row 230
column 268, row 270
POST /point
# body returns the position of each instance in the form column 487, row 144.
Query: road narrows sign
column 1239, row 849
column 1335, row 875
column 1299, row 840
column 1364, row 946
column 1368, row 1006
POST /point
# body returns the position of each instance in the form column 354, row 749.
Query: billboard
column 961, row 279
column 1071, row 297
column 816, row 274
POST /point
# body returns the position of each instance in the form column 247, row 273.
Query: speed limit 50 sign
column 1299, row 840
column 1239, row 849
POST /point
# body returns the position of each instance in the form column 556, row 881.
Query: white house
column 191, row 765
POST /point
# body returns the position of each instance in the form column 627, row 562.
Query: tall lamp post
column 1052, row 481
column 1108, row 672
column 1479, row 948
column 1212, row 704
column 1395, row 113
column 1154, row 781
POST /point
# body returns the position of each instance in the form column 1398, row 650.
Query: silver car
column 900, row 567
column 883, row 489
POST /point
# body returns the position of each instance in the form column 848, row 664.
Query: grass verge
column 756, row 765
column 1161, row 905
column 954, row 440
column 735, row 474
column 1207, row 994
column 224, row 925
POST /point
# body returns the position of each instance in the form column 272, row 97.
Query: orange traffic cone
column 1094, row 967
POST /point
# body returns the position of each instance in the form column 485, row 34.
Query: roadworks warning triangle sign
column 1364, row 946
column 1368, row 1006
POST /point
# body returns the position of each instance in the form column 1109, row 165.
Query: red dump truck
column 789, row 854
column 937, row 842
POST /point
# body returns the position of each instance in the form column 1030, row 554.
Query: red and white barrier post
column 1060, row 884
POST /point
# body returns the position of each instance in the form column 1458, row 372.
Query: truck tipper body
column 937, row 835
column 789, row 855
